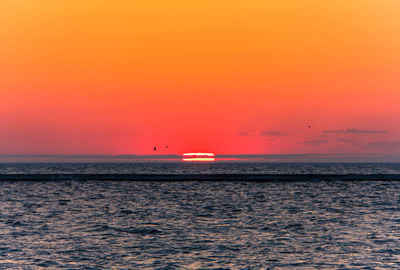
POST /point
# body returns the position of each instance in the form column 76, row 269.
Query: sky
column 96, row 77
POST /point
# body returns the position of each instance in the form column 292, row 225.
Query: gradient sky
column 230, row 77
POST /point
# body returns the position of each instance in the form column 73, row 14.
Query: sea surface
column 200, row 168
column 318, row 224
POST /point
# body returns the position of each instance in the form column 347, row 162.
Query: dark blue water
column 199, row 225
column 200, row 168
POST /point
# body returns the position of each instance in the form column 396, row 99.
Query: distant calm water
column 194, row 168
column 200, row 225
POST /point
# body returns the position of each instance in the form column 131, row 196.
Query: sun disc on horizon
column 198, row 157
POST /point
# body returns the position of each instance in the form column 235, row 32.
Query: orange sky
column 230, row 77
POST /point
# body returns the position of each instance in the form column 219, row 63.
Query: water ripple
column 199, row 225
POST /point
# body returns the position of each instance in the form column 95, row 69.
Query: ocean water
column 199, row 225
column 200, row 168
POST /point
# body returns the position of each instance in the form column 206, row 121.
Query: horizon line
column 305, row 157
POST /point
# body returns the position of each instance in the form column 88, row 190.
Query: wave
column 200, row 177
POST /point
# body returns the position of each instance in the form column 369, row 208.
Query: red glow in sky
column 231, row 77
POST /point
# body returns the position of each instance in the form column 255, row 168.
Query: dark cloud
column 383, row 146
column 272, row 133
column 269, row 133
column 359, row 131
column 355, row 131
column 333, row 131
column 316, row 142
column 351, row 141
column 243, row 133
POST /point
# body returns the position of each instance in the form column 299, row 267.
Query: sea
column 313, row 222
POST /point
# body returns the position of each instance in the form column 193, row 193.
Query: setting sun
column 198, row 157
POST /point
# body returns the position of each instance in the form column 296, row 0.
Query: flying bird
column 155, row 148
